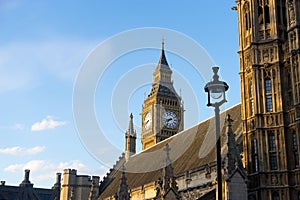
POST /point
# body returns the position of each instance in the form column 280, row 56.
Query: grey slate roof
column 190, row 149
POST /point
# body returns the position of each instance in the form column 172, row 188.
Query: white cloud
column 42, row 172
column 47, row 123
column 20, row 151
column 44, row 166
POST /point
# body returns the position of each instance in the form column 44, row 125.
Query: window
column 268, row 93
column 254, row 155
column 273, row 161
column 260, row 15
column 247, row 16
column 295, row 146
column 269, row 104
column 279, row 19
column 271, row 140
column 295, row 149
column 272, row 150
column 250, row 89
column 252, row 107
column 268, row 86
column 254, row 146
column 289, row 80
column 267, row 14
column 263, row 12
column 284, row 18
column 290, row 92
column 275, row 196
column 296, row 157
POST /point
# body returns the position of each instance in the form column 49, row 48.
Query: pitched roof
column 160, row 90
column 190, row 149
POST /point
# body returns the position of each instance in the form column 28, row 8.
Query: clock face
column 170, row 119
column 147, row 121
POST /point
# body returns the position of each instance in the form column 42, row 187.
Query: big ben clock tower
column 162, row 112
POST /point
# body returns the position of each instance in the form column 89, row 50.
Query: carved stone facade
column 123, row 192
column 166, row 187
column 234, row 171
column 192, row 175
column 77, row 187
column 269, row 36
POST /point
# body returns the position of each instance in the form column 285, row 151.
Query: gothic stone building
column 77, row 187
column 175, row 164
column 266, row 123
column 190, row 162
column 26, row 191
column 269, row 39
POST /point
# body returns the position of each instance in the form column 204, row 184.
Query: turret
column 130, row 139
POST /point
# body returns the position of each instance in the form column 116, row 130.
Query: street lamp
column 216, row 97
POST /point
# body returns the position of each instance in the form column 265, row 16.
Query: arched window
column 267, row 14
column 263, row 12
column 284, row 17
column 247, row 17
column 260, row 15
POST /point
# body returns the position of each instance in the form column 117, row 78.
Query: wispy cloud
column 8, row 5
column 25, row 64
column 19, row 127
column 20, row 151
column 43, row 171
column 44, row 165
column 47, row 123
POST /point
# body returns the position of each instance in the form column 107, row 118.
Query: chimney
column 26, row 182
column 58, row 178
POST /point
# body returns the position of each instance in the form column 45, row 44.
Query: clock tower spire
column 162, row 112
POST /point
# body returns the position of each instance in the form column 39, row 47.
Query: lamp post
column 216, row 97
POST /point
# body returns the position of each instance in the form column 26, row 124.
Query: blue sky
column 43, row 45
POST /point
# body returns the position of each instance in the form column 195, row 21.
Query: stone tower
column 77, row 187
column 270, row 91
column 130, row 140
column 162, row 112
